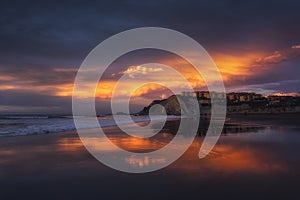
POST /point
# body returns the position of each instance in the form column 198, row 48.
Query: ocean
column 256, row 157
column 33, row 124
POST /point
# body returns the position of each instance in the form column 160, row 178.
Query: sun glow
column 229, row 65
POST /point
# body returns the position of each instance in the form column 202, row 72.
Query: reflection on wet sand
column 226, row 157
column 229, row 127
column 230, row 158
column 243, row 165
column 233, row 152
column 146, row 161
column 123, row 141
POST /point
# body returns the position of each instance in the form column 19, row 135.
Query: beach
column 261, row 163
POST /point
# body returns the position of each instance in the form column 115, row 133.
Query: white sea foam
column 29, row 125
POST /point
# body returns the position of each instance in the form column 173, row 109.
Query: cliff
column 172, row 106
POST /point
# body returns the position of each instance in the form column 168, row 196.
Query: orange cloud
column 273, row 58
column 133, row 70
column 296, row 46
column 56, row 90
column 233, row 65
column 286, row 94
column 6, row 78
column 146, row 89
column 105, row 89
column 9, row 87
column 230, row 65
column 65, row 70
column 63, row 90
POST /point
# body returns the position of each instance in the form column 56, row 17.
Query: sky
column 255, row 44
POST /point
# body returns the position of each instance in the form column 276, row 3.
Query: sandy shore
column 284, row 119
column 57, row 166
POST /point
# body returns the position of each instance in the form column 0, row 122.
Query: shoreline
column 284, row 119
column 58, row 166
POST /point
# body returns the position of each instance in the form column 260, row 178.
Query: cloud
column 296, row 46
column 269, row 73
column 44, row 43
column 149, row 88
column 268, row 87
column 286, row 94
column 134, row 70
column 275, row 57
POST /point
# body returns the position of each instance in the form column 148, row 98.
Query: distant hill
column 172, row 106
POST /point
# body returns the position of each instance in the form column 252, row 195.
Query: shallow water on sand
column 253, row 159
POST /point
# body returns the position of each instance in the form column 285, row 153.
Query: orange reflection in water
column 231, row 158
column 128, row 143
column 5, row 155
column 224, row 158
column 69, row 144
column 135, row 144
column 146, row 161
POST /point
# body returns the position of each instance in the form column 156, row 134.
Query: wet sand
column 260, row 164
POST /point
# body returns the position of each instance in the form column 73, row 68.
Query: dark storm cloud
column 48, row 32
column 40, row 77
column 37, row 37
column 41, row 103
column 25, row 98
column 69, row 29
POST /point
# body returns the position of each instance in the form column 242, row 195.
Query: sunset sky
column 255, row 44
